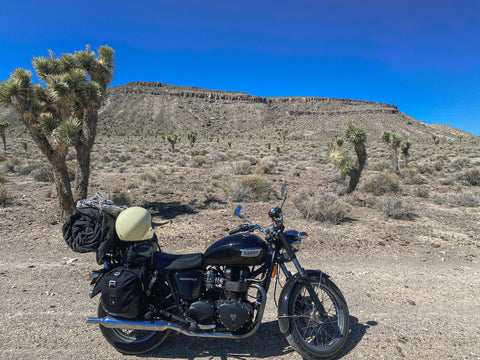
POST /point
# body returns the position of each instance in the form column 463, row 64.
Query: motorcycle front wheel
column 310, row 334
column 131, row 342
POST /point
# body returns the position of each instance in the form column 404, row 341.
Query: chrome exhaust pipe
column 160, row 325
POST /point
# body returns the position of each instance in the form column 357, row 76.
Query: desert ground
column 404, row 249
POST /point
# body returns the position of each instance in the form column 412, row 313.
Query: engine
column 226, row 299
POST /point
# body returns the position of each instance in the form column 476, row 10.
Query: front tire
column 131, row 342
column 309, row 334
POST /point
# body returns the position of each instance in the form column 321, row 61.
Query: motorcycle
column 222, row 293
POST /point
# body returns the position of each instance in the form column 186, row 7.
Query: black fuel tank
column 239, row 249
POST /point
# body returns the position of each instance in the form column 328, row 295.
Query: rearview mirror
column 238, row 210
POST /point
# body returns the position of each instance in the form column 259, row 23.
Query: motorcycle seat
column 172, row 262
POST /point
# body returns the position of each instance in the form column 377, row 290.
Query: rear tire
column 131, row 342
column 309, row 334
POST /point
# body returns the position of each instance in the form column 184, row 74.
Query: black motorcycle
column 222, row 293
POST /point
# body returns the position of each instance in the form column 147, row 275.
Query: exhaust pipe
column 160, row 325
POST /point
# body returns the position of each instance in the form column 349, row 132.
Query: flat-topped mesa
column 158, row 88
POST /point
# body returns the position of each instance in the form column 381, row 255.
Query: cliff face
column 153, row 108
column 157, row 108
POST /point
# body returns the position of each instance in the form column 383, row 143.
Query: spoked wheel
column 129, row 341
column 312, row 335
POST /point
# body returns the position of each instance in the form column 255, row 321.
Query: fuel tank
column 239, row 249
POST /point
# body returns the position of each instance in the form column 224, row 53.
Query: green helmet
column 134, row 224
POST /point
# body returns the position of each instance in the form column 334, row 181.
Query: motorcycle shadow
column 268, row 342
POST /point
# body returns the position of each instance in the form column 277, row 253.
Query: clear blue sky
column 421, row 55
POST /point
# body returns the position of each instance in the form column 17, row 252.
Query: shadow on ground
column 267, row 343
column 168, row 210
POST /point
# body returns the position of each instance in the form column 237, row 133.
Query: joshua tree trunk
column 64, row 190
column 84, row 149
column 395, row 159
column 356, row 172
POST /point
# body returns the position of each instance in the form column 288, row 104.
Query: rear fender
column 284, row 300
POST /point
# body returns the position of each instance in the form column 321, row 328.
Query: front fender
column 284, row 300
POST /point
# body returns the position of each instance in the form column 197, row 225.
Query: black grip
column 243, row 227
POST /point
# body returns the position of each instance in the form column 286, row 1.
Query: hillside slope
column 153, row 108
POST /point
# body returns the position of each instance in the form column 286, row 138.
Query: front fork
column 308, row 285
column 303, row 276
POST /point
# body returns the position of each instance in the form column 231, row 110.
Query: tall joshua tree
column 393, row 140
column 355, row 135
column 3, row 128
column 62, row 111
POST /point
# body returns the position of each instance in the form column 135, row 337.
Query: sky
column 420, row 55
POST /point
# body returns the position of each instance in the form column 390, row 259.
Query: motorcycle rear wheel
column 131, row 342
column 309, row 334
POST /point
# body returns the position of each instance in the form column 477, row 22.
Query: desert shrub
column 447, row 180
column 199, row 160
column 439, row 165
column 25, row 169
column 412, row 177
column 121, row 197
column 8, row 166
column 382, row 183
column 148, row 177
column 5, row 197
column 472, row 176
column 423, row 168
column 267, row 165
column 421, row 191
column 394, row 207
column 322, row 206
column 252, row 188
column 459, row 198
column 124, row 157
column 3, row 179
column 379, row 165
column 243, row 167
column 43, row 174
column 252, row 159
column 461, row 163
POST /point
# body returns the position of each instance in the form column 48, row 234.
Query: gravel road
column 402, row 306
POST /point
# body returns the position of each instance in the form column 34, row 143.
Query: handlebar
column 243, row 228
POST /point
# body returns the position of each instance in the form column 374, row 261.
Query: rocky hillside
column 153, row 108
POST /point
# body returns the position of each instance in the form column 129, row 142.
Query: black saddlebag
column 123, row 291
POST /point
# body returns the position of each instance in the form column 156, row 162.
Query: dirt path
column 401, row 306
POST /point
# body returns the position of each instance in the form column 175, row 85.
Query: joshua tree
column 173, row 139
column 405, row 148
column 3, row 128
column 63, row 112
column 356, row 135
column 393, row 140
column 192, row 138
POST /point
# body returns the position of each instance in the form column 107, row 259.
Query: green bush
column 323, row 206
